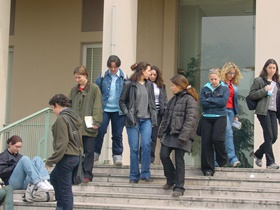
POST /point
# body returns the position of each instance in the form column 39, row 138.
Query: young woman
column 177, row 132
column 86, row 101
column 137, row 103
column 18, row 171
column 66, row 151
column 231, row 76
column 161, row 103
column 265, row 89
column 213, row 100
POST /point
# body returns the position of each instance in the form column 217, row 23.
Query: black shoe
column 148, row 179
column 208, row 173
column 133, row 181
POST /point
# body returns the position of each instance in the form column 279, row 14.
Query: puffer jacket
column 128, row 103
column 181, row 117
column 258, row 92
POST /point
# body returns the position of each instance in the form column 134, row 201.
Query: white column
column 4, row 50
column 267, row 46
column 119, row 38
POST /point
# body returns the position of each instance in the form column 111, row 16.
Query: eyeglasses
column 231, row 73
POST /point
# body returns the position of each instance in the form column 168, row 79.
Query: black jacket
column 162, row 100
column 128, row 103
column 180, row 118
column 8, row 163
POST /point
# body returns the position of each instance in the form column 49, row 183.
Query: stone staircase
column 230, row 188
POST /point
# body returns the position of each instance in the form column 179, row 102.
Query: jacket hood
column 77, row 121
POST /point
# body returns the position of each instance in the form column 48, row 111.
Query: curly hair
column 59, row 99
column 227, row 68
column 159, row 80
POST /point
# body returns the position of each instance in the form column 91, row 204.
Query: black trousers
column 174, row 175
column 88, row 143
column 213, row 139
column 270, row 132
column 154, row 138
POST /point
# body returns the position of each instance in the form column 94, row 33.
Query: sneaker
column 147, row 179
column 96, row 157
column 117, row 160
column 272, row 166
column 133, row 181
column 86, row 180
column 258, row 161
column 236, row 164
column 43, row 185
column 177, row 194
column 167, row 186
column 48, row 184
column 208, row 173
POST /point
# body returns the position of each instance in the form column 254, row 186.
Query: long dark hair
column 159, row 80
column 182, row 81
column 263, row 73
column 138, row 68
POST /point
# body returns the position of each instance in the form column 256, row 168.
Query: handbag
column 78, row 171
column 251, row 104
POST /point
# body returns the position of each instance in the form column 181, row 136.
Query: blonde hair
column 227, row 68
column 216, row 71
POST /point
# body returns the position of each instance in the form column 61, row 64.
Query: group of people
column 140, row 104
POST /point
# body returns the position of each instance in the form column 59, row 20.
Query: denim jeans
column 143, row 129
column 117, row 123
column 61, row 179
column 229, row 142
column 174, row 175
column 6, row 197
column 27, row 171
column 89, row 143
column 270, row 131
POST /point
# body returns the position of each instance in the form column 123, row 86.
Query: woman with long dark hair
column 265, row 89
column 137, row 103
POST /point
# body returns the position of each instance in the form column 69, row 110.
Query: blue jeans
column 229, row 138
column 61, row 179
column 143, row 129
column 117, row 123
column 27, row 171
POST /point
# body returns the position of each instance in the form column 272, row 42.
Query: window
column 92, row 59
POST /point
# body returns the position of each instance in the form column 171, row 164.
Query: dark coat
column 8, row 162
column 128, row 103
column 162, row 100
column 180, row 119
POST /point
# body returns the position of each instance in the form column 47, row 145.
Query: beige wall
column 267, row 46
column 4, row 47
column 45, row 60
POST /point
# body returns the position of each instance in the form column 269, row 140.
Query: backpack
column 34, row 193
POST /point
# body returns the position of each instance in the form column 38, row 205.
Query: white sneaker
column 43, row 185
column 48, row 184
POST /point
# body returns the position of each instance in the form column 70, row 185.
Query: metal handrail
column 35, row 131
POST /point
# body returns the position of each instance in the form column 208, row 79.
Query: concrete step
column 195, row 171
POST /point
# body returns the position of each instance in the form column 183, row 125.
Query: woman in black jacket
column 137, row 102
column 177, row 132
column 161, row 103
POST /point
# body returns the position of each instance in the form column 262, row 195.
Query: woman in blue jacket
column 213, row 100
